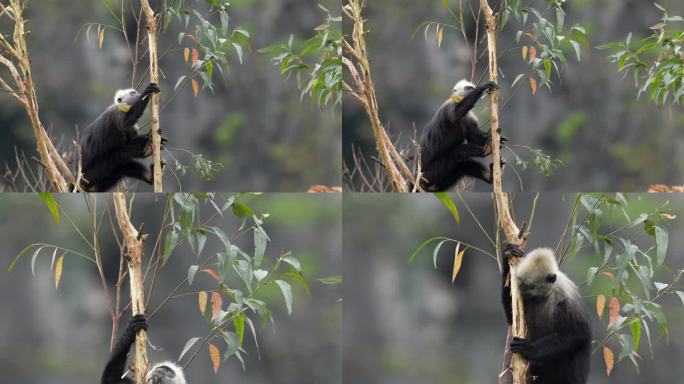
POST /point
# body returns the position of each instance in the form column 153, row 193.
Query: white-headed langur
column 451, row 141
column 558, row 342
column 111, row 145
column 161, row 373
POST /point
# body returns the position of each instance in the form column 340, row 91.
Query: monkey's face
column 161, row 374
column 126, row 96
column 462, row 88
column 536, row 286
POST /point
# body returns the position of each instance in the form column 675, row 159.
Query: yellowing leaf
column 186, row 54
column 440, row 35
column 195, row 57
column 608, row 274
column 600, row 304
column 202, row 297
column 216, row 303
column 524, row 52
column 215, row 356
column 58, row 270
column 533, row 54
column 533, row 85
column 211, row 273
column 458, row 259
column 100, row 37
column 195, row 87
column 614, row 311
column 609, row 359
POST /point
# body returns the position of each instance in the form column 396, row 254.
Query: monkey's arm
column 457, row 111
column 554, row 347
column 506, row 299
column 137, row 110
column 116, row 365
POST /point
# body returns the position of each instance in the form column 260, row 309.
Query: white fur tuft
column 460, row 88
column 180, row 377
column 122, row 94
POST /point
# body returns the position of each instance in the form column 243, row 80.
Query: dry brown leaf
column 100, row 37
column 614, row 311
column 658, row 188
column 533, row 54
column 608, row 274
column 216, row 303
column 524, row 52
column 600, row 305
column 533, row 85
column 195, row 87
column 324, row 189
column 440, row 35
column 58, row 271
column 195, row 57
column 215, row 356
column 609, row 359
column 186, row 54
column 458, row 259
column 202, row 298
column 211, row 273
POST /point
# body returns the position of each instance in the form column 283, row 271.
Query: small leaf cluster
column 629, row 273
column 656, row 62
column 238, row 274
column 546, row 41
column 316, row 63
column 210, row 44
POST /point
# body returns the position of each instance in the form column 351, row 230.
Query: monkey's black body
column 110, row 145
column 558, row 344
column 116, row 366
column 451, row 141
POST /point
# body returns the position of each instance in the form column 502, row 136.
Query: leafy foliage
column 210, row 44
column 657, row 60
column 316, row 63
column 628, row 274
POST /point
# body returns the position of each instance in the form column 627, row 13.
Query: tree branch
column 133, row 241
column 151, row 20
column 510, row 229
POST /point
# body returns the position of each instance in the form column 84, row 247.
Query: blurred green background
column 62, row 336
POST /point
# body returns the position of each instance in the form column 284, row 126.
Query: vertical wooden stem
column 133, row 243
column 151, row 21
column 511, row 231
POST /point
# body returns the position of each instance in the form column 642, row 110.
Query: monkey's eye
column 469, row 88
column 551, row 278
column 132, row 93
column 118, row 100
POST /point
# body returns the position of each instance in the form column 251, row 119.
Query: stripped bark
column 133, row 241
column 510, row 229
column 151, row 21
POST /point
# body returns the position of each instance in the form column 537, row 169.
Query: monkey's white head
column 537, row 273
column 462, row 88
column 165, row 373
column 126, row 96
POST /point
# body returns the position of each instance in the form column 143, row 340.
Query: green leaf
column 51, row 204
column 239, row 323
column 446, row 200
column 191, row 273
column 287, row 293
column 170, row 242
column 335, row 280
column 423, row 245
column 681, row 296
column 187, row 347
column 661, row 238
column 294, row 262
column 260, row 240
column 436, row 251
column 635, row 327
column 233, row 342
